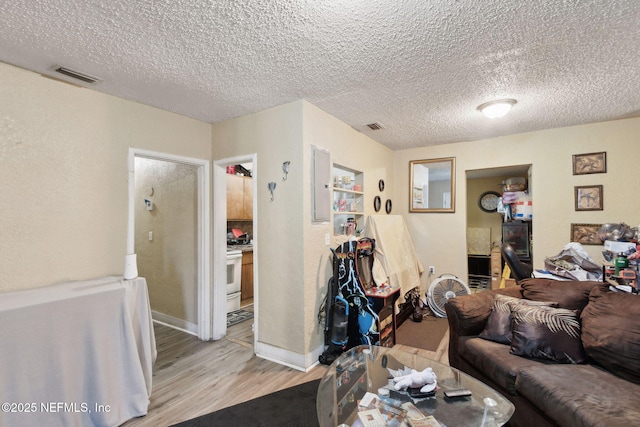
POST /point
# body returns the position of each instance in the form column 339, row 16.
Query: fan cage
column 442, row 290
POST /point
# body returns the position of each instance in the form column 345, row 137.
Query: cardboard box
column 523, row 207
column 496, row 267
column 478, row 241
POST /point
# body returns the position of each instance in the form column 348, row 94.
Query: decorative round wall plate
column 377, row 203
column 387, row 206
column 488, row 201
column 381, row 185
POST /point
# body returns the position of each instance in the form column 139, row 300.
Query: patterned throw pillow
column 546, row 333
column 498, row 328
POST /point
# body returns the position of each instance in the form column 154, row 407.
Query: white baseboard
column 174, row 322
column 301, row 362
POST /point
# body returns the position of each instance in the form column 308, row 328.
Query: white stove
column 234, row 270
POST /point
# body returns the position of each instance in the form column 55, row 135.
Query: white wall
column 63, row 168
column 440, row 238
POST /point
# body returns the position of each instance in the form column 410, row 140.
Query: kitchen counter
column 243, row 248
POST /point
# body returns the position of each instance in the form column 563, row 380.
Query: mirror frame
column 452, row 163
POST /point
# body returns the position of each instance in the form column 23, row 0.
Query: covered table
column 396, row 262
column 76, row 354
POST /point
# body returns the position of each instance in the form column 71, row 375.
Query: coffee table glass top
column 366, row 369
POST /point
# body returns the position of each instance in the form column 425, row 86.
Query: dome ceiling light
column 498, row 108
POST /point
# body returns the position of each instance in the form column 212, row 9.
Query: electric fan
column 442, row 289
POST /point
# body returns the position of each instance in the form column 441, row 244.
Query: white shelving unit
column 348, row 200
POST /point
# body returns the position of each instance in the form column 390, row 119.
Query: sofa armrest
column 467, row 315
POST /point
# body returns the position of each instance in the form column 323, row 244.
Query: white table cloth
column 76, row 354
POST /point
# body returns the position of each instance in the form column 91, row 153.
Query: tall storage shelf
column 348, row 200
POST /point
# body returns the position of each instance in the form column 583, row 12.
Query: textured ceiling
column 418, row 67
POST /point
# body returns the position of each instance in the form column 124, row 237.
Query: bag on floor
column 363, row 320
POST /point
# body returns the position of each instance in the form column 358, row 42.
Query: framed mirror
column 432, row 185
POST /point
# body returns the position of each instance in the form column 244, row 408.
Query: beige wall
column 275, row 136
column 294, row 263
column 440, row 238
column 476, row 217
column 351, row 149
column 63, row 168
column 63, row 157
column 169, row 260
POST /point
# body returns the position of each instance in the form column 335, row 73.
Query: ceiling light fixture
column 498, row 108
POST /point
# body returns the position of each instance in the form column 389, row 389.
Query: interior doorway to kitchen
column 240, row 233
column 235, row 230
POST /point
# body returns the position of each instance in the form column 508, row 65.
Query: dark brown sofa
column 602, row 390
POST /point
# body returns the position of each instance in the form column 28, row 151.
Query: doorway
column 484, row 223
column 178, row 204
column 222, row 226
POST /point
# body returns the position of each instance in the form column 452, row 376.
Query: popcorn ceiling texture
column 419, row 67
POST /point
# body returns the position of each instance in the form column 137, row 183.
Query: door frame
column 220, row 244
column 203, row 233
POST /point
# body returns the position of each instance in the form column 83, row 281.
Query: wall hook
column 272, row 188
column 285, row 169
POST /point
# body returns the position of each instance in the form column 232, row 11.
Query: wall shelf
column 348, row 199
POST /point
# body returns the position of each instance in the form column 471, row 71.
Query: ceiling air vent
column 375, row 126
column 76, row 75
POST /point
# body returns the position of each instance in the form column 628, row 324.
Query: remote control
column 457, row 393
column 415, row 392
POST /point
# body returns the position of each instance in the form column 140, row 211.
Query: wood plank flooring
column 192, row 377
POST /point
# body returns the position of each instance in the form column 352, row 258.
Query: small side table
column 383, row 302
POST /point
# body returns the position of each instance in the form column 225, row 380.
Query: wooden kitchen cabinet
column 247, row 199
column 239, row 198
column 246, row 274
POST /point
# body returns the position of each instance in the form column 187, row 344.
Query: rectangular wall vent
column 375, row 126
column 76, row 75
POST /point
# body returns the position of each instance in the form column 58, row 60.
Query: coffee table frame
column 364, row 368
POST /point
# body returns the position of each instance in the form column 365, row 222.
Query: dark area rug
column 238, row 316
column 426, row 335
column 291, row 407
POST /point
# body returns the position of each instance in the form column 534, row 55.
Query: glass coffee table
column 365, row 369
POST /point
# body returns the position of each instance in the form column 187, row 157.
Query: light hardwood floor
column 192, row 377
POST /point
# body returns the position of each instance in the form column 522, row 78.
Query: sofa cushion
column 573, row 295
column 471, row 311
column 611, row 332
column 498, row 326
column 494, row 361
column 546, row 333
column 580, row 395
